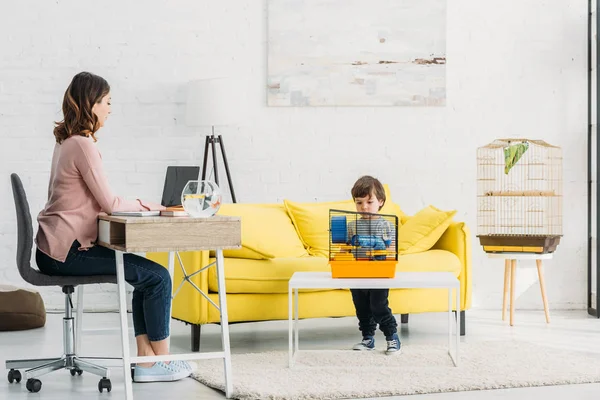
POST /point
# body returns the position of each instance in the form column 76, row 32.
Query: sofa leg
column 404, row 318
column 462, row 322
column 196, row 337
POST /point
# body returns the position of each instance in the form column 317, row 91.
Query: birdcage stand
column 510, row 272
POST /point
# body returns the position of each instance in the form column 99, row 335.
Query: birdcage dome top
column 501, row 143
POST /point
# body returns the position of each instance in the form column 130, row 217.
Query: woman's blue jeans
column 151, row 303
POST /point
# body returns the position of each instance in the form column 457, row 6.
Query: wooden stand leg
column 543, row 289
column 506, row 286
column 513, row 274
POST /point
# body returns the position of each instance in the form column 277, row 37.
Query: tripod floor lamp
column 214, row 102
column 212, row 141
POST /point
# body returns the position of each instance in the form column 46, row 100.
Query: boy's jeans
column 151, row 303
column 372, row 309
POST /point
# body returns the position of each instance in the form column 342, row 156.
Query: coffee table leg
column 450, row 320
column 290, row 327
column 457, row 323
column 296, row 316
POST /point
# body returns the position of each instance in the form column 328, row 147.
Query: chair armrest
column 457, row 239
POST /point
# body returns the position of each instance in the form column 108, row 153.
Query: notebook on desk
column 135, row 213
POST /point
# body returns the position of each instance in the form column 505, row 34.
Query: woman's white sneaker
column 160, row 372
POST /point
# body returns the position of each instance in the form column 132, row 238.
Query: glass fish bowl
column 201, row 198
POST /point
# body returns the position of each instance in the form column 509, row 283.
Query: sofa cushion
column 312, row 223
column 423, row 230
column 312, row 220
column 264, row 276
column 267, row 232
column 20, row 309
column 272, row 276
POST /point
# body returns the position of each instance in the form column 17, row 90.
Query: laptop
column 175, row 180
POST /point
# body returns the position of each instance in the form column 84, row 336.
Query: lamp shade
column 213, row 102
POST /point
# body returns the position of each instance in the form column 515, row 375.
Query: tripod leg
column 205, row 158
column 214, row 156
column 227, row 169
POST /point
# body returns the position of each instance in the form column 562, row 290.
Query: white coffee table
column 403, row 280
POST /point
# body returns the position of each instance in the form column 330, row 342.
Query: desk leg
column 171, row 266
column 506, row 285
column 513, row 274
column 124, row 327
column 224, row 323
column 79, row 320
column 543, row 289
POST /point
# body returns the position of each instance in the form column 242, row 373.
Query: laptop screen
column 175, row 181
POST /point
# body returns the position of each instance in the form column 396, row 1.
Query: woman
column 77, row 193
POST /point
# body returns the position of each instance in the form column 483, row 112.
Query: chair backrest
column 24, row 229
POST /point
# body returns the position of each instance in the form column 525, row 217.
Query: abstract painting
column 356, row 53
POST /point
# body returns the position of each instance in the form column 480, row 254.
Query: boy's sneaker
column 393, row 344
column 368, row 343
column 160, row 372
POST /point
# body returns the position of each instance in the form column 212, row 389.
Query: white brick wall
column 514, row 69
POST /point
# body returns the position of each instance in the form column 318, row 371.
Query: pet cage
column 362, row 245
column 519, row 196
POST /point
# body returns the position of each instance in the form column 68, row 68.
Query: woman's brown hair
column 366, row 186
column 85, row 90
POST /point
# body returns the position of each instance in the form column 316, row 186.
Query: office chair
column 69, row 360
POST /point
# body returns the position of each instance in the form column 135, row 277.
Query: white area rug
column 340, row 374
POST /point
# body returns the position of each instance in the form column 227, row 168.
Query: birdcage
column 362, row 245
column 519, row 196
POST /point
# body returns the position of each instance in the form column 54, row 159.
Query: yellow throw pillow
column 267, row 232
column 312, row 223
column 423, row 230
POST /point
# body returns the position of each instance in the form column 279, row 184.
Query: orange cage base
column 363, row 269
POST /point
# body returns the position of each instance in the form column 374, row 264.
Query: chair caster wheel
column 76, row 371
column 14, row 375
column 104, row 383
column 33, row 385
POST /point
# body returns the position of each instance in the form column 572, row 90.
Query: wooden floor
column 568, row 330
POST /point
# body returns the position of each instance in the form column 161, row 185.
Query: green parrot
column 512, row 154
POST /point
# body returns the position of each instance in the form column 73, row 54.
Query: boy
column 372, row 304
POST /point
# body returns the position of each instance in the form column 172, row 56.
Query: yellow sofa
column 280, row 239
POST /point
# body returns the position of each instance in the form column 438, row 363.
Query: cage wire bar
column 519, row 206
column 362, row 245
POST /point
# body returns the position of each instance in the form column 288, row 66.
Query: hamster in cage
column 362, row 245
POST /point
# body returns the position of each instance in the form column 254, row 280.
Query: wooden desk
column 171, row 234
